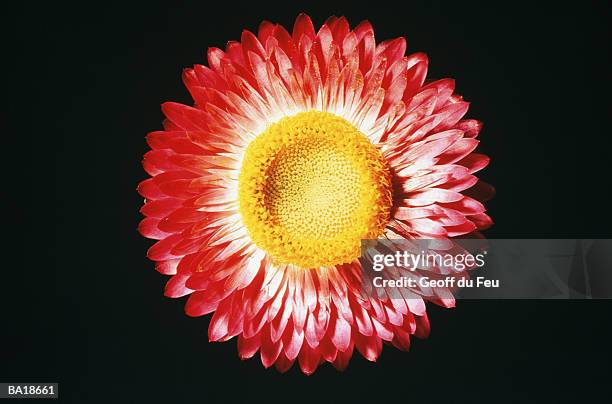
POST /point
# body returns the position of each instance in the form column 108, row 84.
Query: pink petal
column 340, row 331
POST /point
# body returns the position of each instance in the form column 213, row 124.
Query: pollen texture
column 311, row 187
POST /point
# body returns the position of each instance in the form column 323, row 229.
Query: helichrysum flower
column 300, row 145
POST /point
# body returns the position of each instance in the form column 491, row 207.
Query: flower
column 298, row 147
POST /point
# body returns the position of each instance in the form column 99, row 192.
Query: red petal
column 401, row 339
column 362, row 318
column 369, row 347
column 339, row 28
column 416, row 73
column 327, row 349
column 160, row 208
column 459, row 230
column 202, row 302
column 343, row 358
column 474, row 162
column 466, row 205
column 266, row 28
column 433, row 195
column 451, row 114
column 167, row 267
column 269, row 350
column 481, row 220
column 427, row 227
column 309, row 359
column 247, row 347
column 292, row 342
column 148, row 228
column 185, row 117
column 219, row 323
column 471, row 127
column 457, row 151
column 175, row 287
column 161, row 250
column 423, row 328
column 150, row 190
column 283, row 364
column 444, row 89
column 303, row 26
column 481, row 191
column 245, row 275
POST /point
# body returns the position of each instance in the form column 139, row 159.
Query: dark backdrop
column 82, row 305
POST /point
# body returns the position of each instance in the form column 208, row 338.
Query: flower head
column 298, row 147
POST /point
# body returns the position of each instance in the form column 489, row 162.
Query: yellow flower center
column 311, row 187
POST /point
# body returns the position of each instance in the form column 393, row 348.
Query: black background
column 81, row 305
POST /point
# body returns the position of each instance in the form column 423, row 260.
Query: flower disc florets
column 311, row 187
